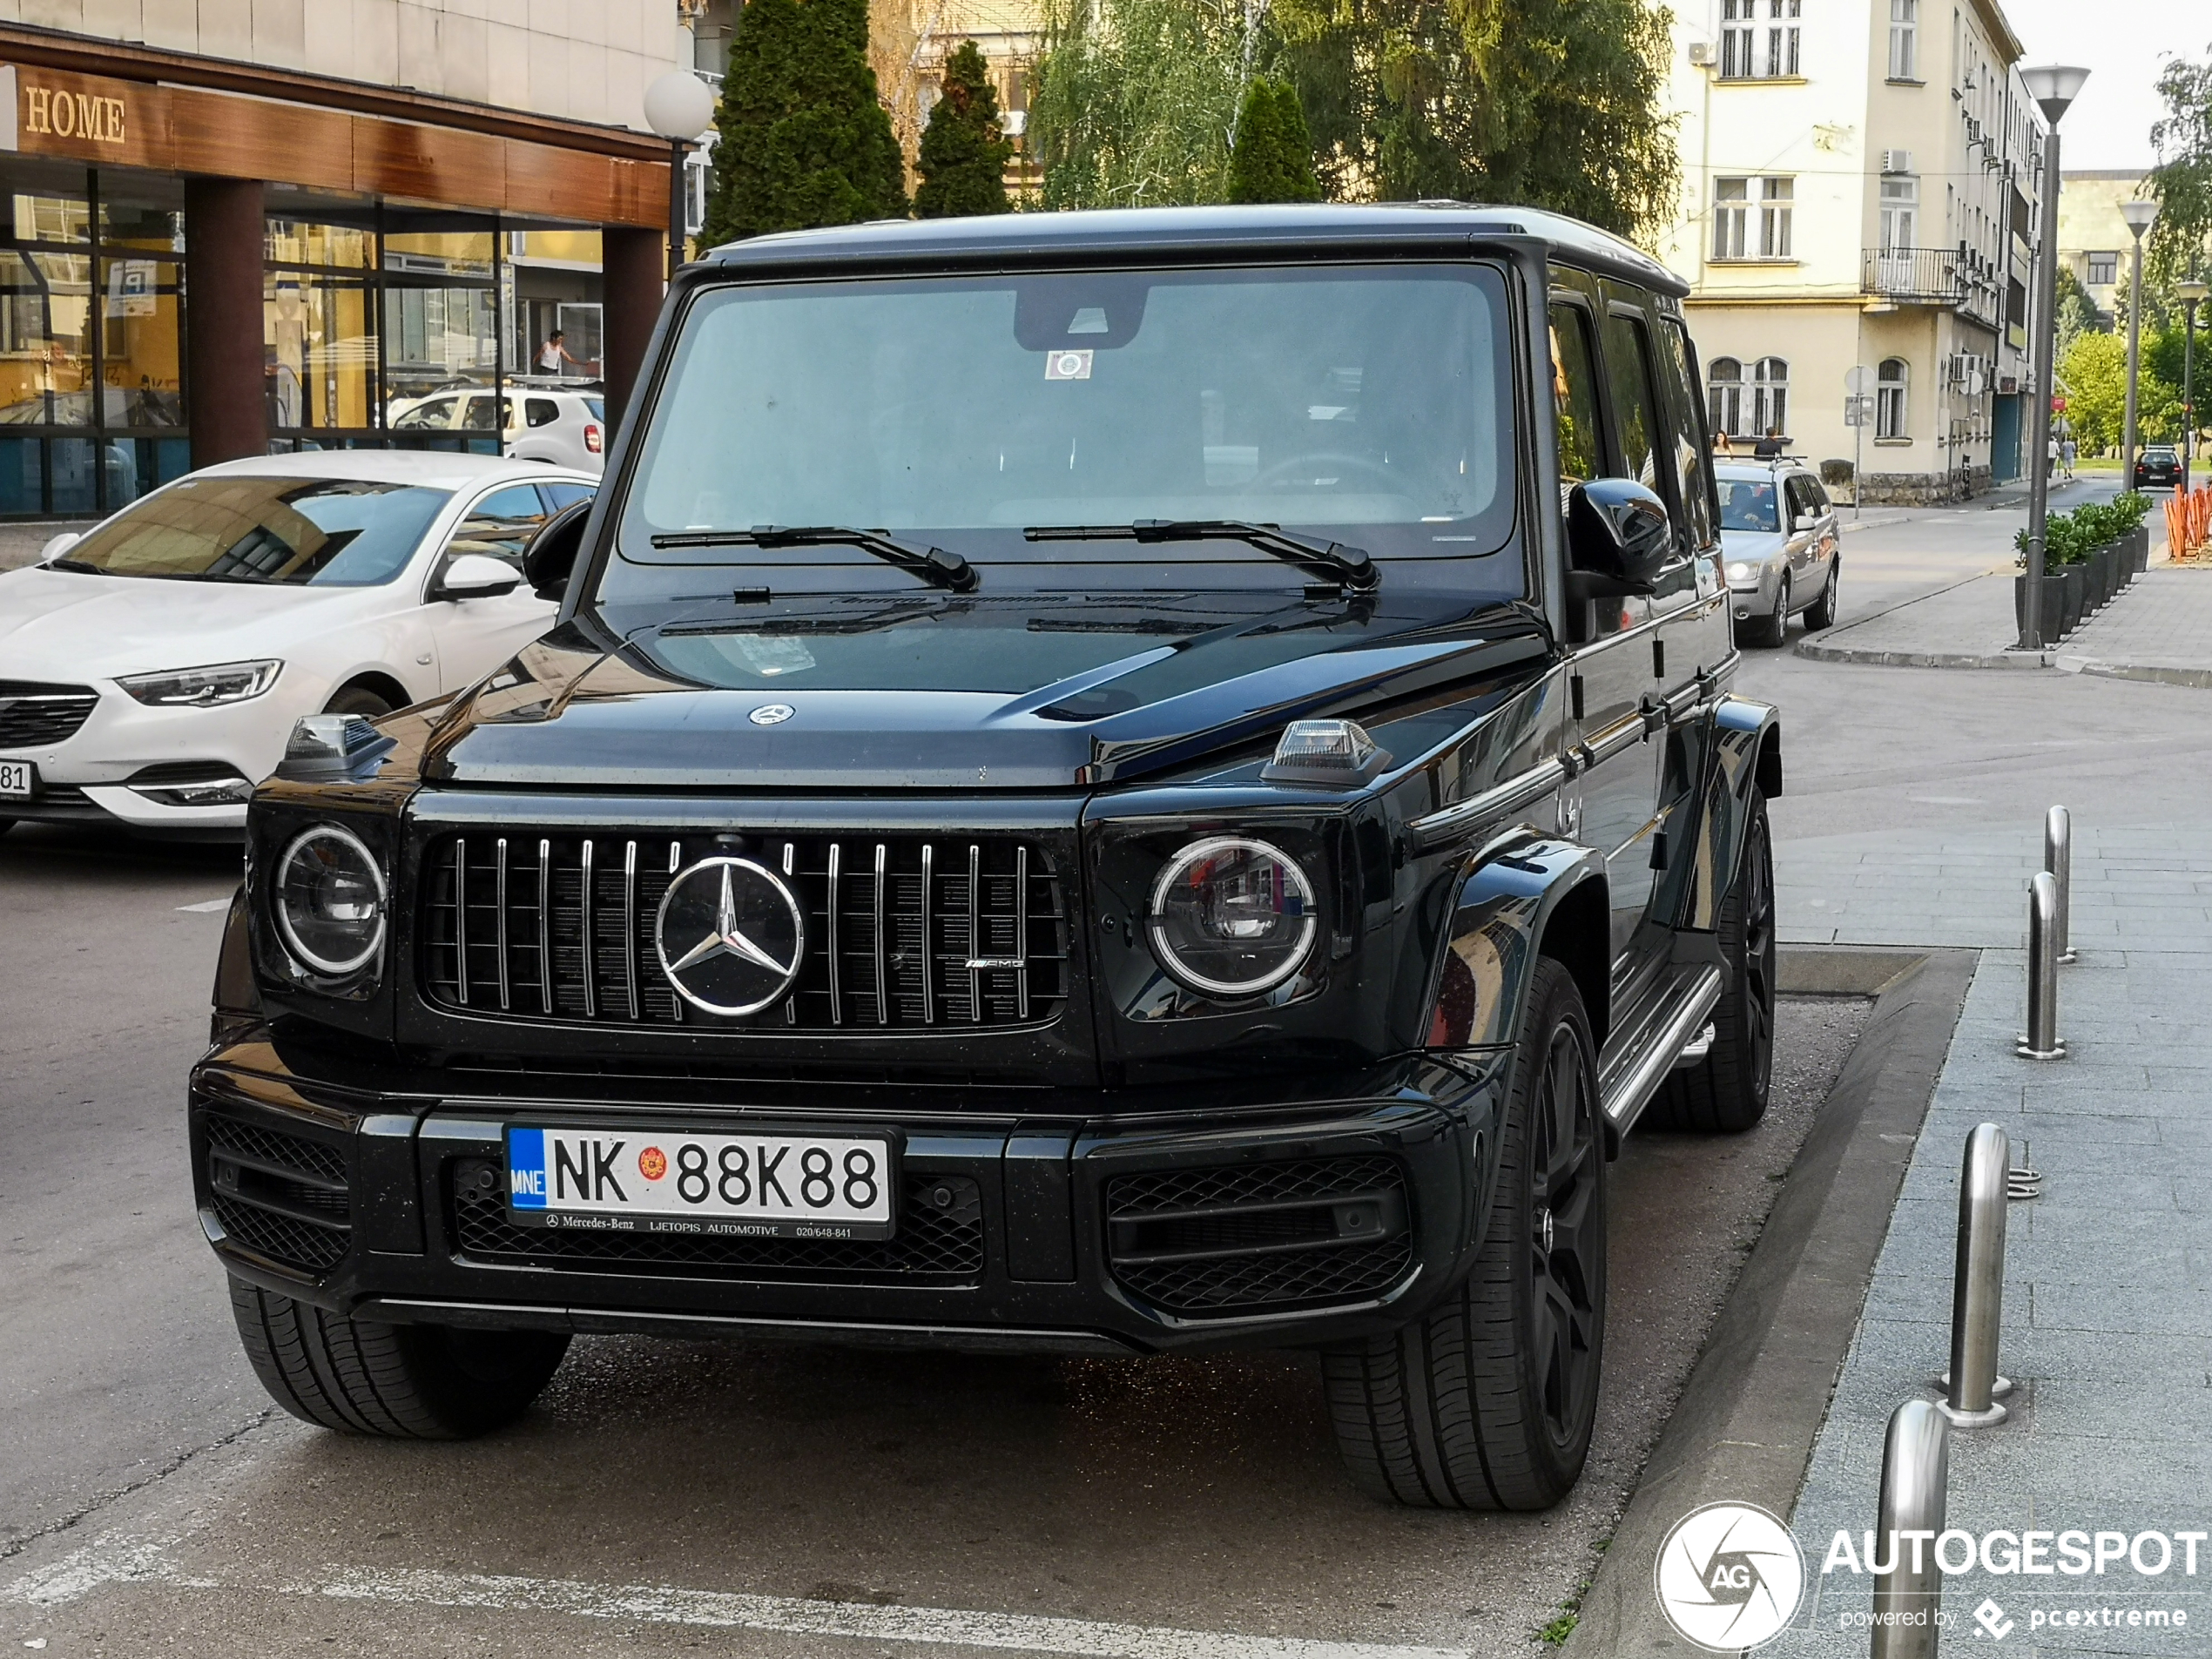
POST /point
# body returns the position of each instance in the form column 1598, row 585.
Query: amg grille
column 901, row 932
column 33, row 714
column 280, row 1195
column 1259, row 1238
column 939, row 1241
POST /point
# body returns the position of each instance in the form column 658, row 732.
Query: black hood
column 1051, row 692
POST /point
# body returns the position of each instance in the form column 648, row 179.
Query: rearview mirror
column 550, row 557
column 1618, row 539
column 477, row 576
column 1805, row 522
column 59, row 545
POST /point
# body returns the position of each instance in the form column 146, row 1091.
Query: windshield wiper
column 932, row 564
column 78, row 565
column 1349, row 566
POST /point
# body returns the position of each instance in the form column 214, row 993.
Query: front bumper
column 1757, row 596
column 1014, row 1233
column 84, row 779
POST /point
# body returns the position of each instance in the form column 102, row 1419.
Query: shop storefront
column 201, row 261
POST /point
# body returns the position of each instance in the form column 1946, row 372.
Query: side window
column 479, row 417
column 433, row 416
column 1693, row 459
column 501, row 525
column 1817, row 496
column 541, row 411
column 1799, row 500
column 558, row 496
column 1574, row 385
column 1635, row 407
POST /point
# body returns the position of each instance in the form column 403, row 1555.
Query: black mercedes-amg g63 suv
column 1103, row 783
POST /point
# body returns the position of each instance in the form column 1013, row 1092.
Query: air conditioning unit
column 1896, row 161
column 1703, row 54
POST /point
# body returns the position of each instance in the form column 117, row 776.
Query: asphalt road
column 1193, row 1493
column 149, row 1502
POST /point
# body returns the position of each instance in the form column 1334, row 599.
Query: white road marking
column 205, row 906
column 123, row 1559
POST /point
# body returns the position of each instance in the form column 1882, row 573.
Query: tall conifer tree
column 1272, row 157
column 802, row 138
column 964, row 150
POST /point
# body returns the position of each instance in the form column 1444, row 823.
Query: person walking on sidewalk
column 2066, row 458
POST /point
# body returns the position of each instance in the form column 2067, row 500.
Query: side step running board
column 1630, row 1084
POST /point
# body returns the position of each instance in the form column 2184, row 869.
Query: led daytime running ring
column 1213, row 846
column 321, row 964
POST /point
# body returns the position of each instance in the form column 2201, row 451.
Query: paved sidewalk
column 2158, row 628
column 2108, row 1310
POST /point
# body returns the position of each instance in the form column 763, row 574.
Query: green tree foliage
column 1555, row 103
column 2095, row 375
column 2076, row 312
column 2182, row 181
column 1272, row 157
column 802, row 138
column 1134, row 99
column 964, row 151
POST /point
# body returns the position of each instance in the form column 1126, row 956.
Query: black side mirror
column 1618, row 539
column 550, row 557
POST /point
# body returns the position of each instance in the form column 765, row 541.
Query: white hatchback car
column 539, row 419
column 151, row 670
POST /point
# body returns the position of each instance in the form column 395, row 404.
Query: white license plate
column 18, row 779
column 763, row 1186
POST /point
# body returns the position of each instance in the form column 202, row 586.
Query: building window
column 1774, row 218
column 1904, row 28
column 1724, row 395
column 1759, row 38
column 1889, row 382
column 2104, row 269
column 1900, row 209
column 1771, row 396
column 1734, row 199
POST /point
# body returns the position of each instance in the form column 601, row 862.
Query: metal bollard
column 1916, row 1469
column 1978, row 1286
column 2058, row 859
column 2042, row 1041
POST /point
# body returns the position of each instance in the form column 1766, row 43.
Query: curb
column 1754, row 1402
column 1821, row 651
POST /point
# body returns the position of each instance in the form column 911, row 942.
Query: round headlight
column 1231, row 917
column 330, row 901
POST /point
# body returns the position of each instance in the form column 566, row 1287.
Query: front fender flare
column 1523, row 896
column 1747, row 745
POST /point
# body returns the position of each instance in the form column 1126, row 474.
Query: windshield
column 1748, row 504
column 322, row 532
column 1369, row 404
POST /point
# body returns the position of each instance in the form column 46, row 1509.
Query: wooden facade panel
column 162, row 129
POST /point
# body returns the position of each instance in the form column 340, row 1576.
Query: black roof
column 1187, row 232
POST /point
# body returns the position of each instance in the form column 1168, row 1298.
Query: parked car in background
column 1780, row 540
column 2158, row 467
column 151, row 670
column 562, row 421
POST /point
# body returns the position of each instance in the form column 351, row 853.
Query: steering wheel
column 1324, row 463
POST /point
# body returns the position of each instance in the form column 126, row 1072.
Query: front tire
column 1488, row 1401
column 1726, row 1092
column 357, row 700
column 1774, row 630
column 402, row 1382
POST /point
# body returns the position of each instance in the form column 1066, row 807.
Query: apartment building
column 368, row 199
column 1859, row 191
column 2094, row 242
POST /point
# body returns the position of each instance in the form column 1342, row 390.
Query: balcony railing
column 1933, row 276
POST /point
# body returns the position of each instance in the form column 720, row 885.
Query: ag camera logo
column 1728, row 1576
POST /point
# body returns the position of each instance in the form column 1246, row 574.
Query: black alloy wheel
column 1726, row 1092
column 1565, row 1260
column 1488, row 1401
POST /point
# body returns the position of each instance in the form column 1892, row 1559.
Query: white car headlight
column 330, row 901
column 200, row 687
column 1742, row 570
column 1231, row 917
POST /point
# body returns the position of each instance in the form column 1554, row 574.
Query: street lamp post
column 2053, row 87
column 2192, row 292
column 2139, row 216
column 679, row 106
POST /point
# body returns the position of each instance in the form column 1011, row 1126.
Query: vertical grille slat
column 904, row 944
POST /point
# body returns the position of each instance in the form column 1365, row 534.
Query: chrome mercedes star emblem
column 771, row 714
column 729, row 935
